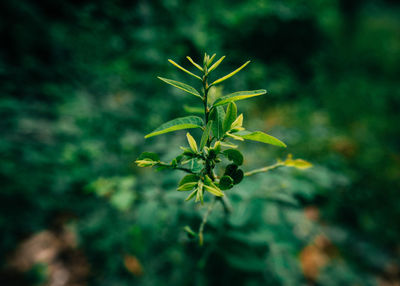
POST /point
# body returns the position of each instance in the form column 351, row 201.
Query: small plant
column 221, row 126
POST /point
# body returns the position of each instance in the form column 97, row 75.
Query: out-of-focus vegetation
column 79, row 90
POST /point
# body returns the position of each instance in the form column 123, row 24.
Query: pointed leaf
column 189, row 231
column 206, row 135
column 192, row 194
column 261, row 137
column 230, row 75
column 217, row 63
column 238, row 96
column 230, row 116
column 234, row 136
column 238, row 122
column 228, row 145
column 209, row 182
column 210, row 60
column 192, row 142
column 146, row 162
column 188, row 179
column 181, row 85
column 177, row 124
column 215, row 191
column 200, row 193
column 185, row 70
column 187, row 187
column 196, row 65
column 217, row 115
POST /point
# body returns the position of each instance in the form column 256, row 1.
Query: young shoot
column 221, row 126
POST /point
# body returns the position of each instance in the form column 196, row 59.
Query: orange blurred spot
column 312, row 213
column 315, row 256
column 344, row 146
column 133, row 265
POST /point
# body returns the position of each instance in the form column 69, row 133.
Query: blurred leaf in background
column 79, row 91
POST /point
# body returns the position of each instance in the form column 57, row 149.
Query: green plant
column 220, row 125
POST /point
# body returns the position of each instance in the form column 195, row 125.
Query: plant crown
column 221, row 126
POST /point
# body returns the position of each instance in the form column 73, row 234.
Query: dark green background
column 78, row 91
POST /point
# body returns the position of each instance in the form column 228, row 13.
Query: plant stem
column 208, row 167
column 204, row 221
column 264, row 169
column 205, row 98
column 162, row 164
column 185, row 170
column 226, row 205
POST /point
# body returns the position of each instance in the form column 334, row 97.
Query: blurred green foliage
column 79, row 91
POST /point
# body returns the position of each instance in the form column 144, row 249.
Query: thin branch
column 169, row 166
column 226, row 205
column 264, row 169
column 185, row 170
column 204, row 221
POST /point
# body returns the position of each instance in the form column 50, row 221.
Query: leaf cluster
column 221, row 126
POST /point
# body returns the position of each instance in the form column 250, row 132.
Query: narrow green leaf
column 206, row 135
column 228, row 145
column 217, row 115
column 196, row 65
column 206, row 58
column 234, row 155
column 217, row 63
column 234, row 136
column 146, row 163
column 209, row 62
column 215, row 191
column 230, row 74
column 238, row 96
column 192, row 142
column 192, row 194
column 147, row 159
column 261, row 137
column 191, row 109
column 185, row 70
column 188, row 179
column 230, row 116
column 209, row 182
column 199, row 194
column 177, row 124
column 189, row 231
column 181, row 85
column 238, row 123
column 187, row 187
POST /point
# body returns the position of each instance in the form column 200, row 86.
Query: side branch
column 204, row 221
column 169, row 166
column 264, row 169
